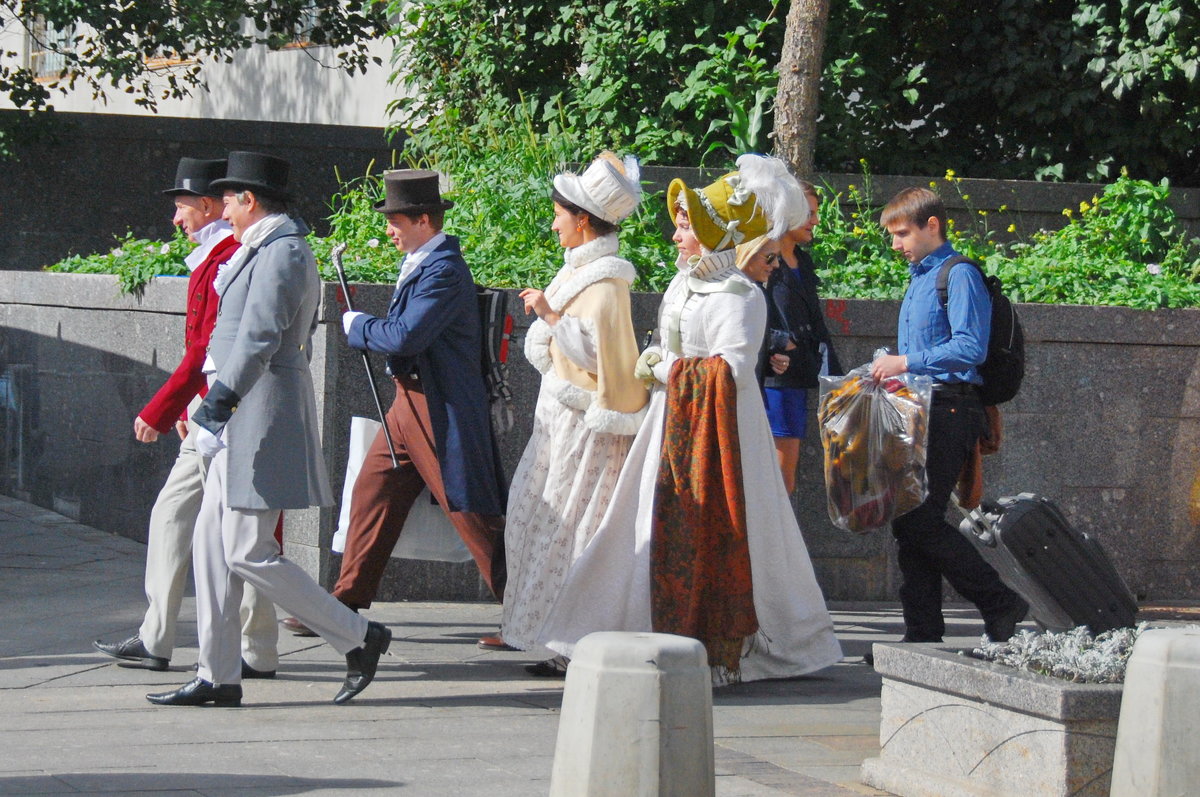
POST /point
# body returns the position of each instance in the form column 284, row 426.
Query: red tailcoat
column 171, row 401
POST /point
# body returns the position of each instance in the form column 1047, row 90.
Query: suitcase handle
column 978, row 522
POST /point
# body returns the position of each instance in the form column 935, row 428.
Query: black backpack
column 1004, row 367
column 496, row 325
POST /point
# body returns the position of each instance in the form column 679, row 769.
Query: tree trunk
column 796, row 103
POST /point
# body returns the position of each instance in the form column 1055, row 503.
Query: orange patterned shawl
column 701, row 583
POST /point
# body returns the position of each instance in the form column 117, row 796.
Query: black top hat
column 195, row 176
column 254, row 171
column 412, row 191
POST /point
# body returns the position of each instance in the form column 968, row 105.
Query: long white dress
column 720, row 312
column 566, row 476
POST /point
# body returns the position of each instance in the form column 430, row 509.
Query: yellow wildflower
column 858, row 231
column 1084, row 207
column 1067, row 212
column 1002, row 208
column 1012, row 228
column 933, row 183
column 949, row 174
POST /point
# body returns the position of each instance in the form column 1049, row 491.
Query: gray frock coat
column 263, row 394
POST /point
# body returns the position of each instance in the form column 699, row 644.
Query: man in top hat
column 259, row 423
column 198, row 209
column 439, row 421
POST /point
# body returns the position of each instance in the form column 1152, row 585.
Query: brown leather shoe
column 296, row 627
column 494, row 642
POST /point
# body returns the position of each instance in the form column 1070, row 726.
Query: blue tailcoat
column 432, row 329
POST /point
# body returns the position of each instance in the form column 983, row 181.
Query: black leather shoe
column 550, row 668
column 362, row 662
column 250, row 672
column 1002, row 627
column 197, row 692
column 132, row 653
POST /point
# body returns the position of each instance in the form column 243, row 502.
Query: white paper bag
column 427, row 533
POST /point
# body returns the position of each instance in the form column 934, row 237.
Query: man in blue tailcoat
column 439, row 422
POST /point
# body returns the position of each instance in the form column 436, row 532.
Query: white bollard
column 1156, row 751
column 636, row 719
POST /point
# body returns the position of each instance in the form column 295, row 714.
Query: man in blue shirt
column 947, row 343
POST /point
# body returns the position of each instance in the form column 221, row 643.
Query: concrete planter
column 954, row 726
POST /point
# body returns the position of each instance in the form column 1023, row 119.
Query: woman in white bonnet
column 589, row 406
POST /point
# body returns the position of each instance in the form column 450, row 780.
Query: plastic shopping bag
column 875, row 436
column 427, row 534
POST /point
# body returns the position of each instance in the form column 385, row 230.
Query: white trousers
column 168, row 554
column 235, row 547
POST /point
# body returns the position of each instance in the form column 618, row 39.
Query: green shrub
column 1125, row 247
column 499, row 176
column 134, row 261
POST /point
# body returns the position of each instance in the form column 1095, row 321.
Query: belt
column 955, row 389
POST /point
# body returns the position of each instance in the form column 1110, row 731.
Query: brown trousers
column 383, row 496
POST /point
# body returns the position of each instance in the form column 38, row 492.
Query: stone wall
column 111, row 169
column 1108, row 424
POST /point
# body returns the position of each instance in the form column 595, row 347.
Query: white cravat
column 254, row 235
column 414, row 259
column 207, row 238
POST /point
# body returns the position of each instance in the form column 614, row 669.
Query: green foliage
column 500, row 180
column 353, row 220
column 116, row 45
column 134, row 261
column 500, row 176
column 654, row 77
column 1014, row 88
column 1122, row 248
column 1125, row 247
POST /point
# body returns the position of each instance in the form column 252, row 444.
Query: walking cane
column 336, row 257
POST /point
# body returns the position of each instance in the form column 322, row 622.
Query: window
column 46, row 47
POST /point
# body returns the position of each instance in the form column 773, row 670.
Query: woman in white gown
column 589, row 406
column 710, row 308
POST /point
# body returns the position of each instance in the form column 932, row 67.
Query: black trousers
column 929, row 548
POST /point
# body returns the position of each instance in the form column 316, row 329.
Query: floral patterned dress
column 565, row 478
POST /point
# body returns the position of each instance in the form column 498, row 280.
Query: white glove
column 348, row 319
column 645, row 362
column 207, row 443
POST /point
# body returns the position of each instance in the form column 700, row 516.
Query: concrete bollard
column 636, row 719
column 1156, row 751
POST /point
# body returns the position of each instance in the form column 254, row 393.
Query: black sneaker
column 1003, row 626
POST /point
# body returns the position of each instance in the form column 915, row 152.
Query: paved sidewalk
column 442, row 718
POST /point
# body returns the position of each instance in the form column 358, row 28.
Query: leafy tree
column 116, row 45
column 1014, row 88
column 668, row 79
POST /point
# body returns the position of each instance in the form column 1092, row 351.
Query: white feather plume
column 633, row 173
column 778, row 193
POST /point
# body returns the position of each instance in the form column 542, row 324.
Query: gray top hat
column 194, row 177
column 412, row 191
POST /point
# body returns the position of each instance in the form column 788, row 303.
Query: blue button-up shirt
column 945, row 344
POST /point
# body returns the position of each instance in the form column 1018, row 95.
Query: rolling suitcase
column 1063, row 573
